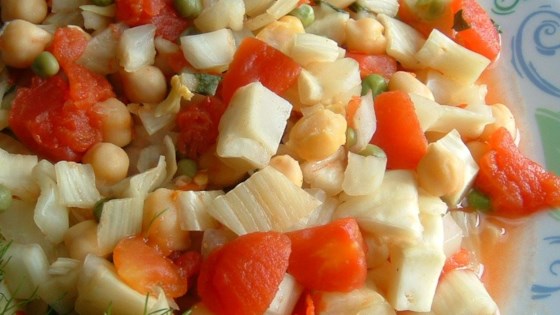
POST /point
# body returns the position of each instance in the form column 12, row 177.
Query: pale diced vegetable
column 136, row 47
column 286, row 297
column 461, row 292
column 141, row 184
column 340, row 3
column 25, row 269
column 193, row 212
column 469, row 124
column 329, row 23
column 340, row 80
column 308, row 48
column 281, row 34
column 428, row 111
column 120, row 218
column 16, row 174
column 364, row 123
column 403, row 41
column 100, row 290
column 250, row 208
column 452, row 235
column 152, row 122
column 363, row 174
column 326, row 174
column 252, row 126
column 418, row 268
column 452, row 92
column 221, row 14
column 391, row 211
column 441, row 53
column 101, row 52
column 309, row 88
column 81, row 240
column 431, row 204
column 213, row 50
column 59, row 290
column 76, row 184
column 50, row 215
column 387, row 7
column 256, row 7
column 172, row 103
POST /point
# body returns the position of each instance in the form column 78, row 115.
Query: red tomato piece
column 398, row 130
column 68, row 44
column 383, row 65
column 144, row 269
column 459, row 260
column 161, row 13
column 331, row 257
column 198, row 125
column 516, row 185
column 242, row 277
column 43, row 118
column 254, row 61
column 481, row 36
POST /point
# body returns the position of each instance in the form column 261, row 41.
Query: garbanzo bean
column 365, row 35
column 502, row 118
column 109, row 162
column 22, row 42
column 318, row 135
column 145, row 85
column 439, row 172
column 34, row 11
column 288, row 166
column 116, row 121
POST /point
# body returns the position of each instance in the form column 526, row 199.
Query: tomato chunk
column 331, row 257
column 198, row 125
column 255, row 60
column 383, row 65
column 398, row 130
column 242, row 276
column 516, row 185
column 144, row 269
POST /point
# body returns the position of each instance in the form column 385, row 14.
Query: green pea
column 305, row 14
column 479, row 201
column 372, row 150
column 374, row 83
column 45, row 65
column 5, row 198
column 102, row 3
column 188, row 8
column 98, row 208
column 187, row 167
column 351, row 137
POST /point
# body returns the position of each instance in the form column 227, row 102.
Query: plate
column 530, row 63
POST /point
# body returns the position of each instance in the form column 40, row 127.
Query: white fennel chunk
column 468, row 123
column 59, row 290
column 76, row 184
column 363, row 174
column 286, row 297
column 193, row 212
column 461, row 292
column 428, row 111
column 339, row 80
column 120, row 218
column 136, row 47
column 266, row 201
column 308, row 48
column 100, row 290
column 441, row 53
column 213, row 50
column 391, row 211
column 16, row 174
column 329, row 23
column 221, row 14
column 364, row 122
column 362, row 301
column 141, row 184
column 25, row 268
column 252, row 126
column 403, row 41
column 387, row 7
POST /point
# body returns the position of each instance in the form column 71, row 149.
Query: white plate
column 531, row 59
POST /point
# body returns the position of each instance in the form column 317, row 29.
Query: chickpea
column 440, row 172
column 109, row 162
column 407, row 82
column 318, row 135
column 81, row 240
column 22, row 42
column 34, row 11
column 116, row 121
column 289, row 167
column 503, row 118
column 145, row 85
column 366, row 36
column 220, row 174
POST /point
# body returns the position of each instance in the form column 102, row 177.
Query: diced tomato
column 398, row 130
column 481, row 36
column 86, row 86
column 516, row 185
column 383, row 65
column 330, row 257
column 189, row 264
column 459, row 260
column 198, row 125
column 144, row 269
column 255, row 60
column 242, row 276
column 305, row 305
column 161, row 13
column 425, row 16
column 68, row 44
